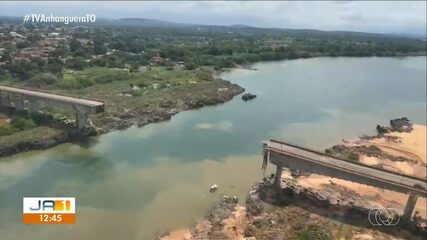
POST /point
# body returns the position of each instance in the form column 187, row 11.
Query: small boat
column 248, row 96
column 213, row 188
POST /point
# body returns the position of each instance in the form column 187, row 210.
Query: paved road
column 363, row 170
column 50, row 96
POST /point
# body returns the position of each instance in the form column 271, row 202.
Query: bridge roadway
column 33, row 100
column 298, row 158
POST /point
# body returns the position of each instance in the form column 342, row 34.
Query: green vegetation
column 373, row 151
column 44, row 79
column 153, row 90
column 36, row 134
column 17, row 124
column 344, row 231
column 91, row 76
column 311, row 234
column 150, row 70
column 113, row 45
column 352, row 156
column 290, row 222
column 151, row 77
column 140, row 97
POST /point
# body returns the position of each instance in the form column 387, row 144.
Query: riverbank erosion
column 226, row 220
column 126, row 105
column 311, row 206
column 401, row 149
column 298, row 211
column 330, row 208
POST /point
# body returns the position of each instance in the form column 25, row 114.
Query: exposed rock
column 396, row 125
column 248, row 96
column 401, row 125
column 34, row 144
column 211, row 227
column 295, row 201
column 127, row 115
column 381, row 130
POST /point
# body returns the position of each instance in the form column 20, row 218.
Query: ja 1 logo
column 49, row 210
column 383, row 217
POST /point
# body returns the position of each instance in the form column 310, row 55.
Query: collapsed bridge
column 294, row 158
column 33, row 100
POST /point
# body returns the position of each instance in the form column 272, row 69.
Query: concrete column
column 19, row 103
column 82, row 119
column 4, row 99
column 278, row 176
column 33, row 106
column 409, row 208
column 265, row 156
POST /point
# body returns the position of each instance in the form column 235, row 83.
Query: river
column 136, row 183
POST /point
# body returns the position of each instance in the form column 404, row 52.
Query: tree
column 23, row 70
column 74, row 45
column 77, row 63
column 190, row 65
column 59, row 52
column 44, row 79
column 98, row 46
column 55, row 66
column 21, row 45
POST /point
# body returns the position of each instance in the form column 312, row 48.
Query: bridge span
column 33, row 100
column 295, row 157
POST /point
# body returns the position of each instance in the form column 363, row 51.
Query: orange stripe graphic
column 49, row 218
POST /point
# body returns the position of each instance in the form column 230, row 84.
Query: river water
column 136, row 183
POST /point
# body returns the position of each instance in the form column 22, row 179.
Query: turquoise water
column 135, row 183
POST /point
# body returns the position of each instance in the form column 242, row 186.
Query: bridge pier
column 305, row 160
column 409, row 207
column 19, row 103
column 278, row 176
column 82, row 116
column 33, row 106
column 4, row 100
column 32, row 100
column 82, row 119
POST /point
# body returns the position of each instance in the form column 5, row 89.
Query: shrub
column 44, row 79
column 7, row 130
column 17, row 124
column 110, row 75
column 83, row 82
column 353, row 157
column 77, row 63
column 22, row 123
column 204, row 75
column 77, row 83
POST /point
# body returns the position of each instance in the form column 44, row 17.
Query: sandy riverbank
column 178, row 234
column 411, row 145
column 233, row 227
column 376, row 197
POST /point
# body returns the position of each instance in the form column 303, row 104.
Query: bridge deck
column 415, row 184
column 54, row 97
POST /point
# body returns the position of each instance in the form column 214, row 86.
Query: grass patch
column 353, row 157
column 29, row 135
column 16, row 125
column 91, row 76
column 161, row 76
